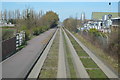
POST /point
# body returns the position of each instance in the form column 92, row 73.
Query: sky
column 64, row 9
column 60, row 0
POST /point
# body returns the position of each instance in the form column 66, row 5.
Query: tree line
column 72, row 24
column 32, row 22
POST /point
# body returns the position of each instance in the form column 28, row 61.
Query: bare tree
column 5, row 15
column 9, row 15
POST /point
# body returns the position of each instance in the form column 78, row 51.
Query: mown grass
column 87, row 62
column 78, row 49
column 49, row 69
column 96, row 73
column 69, row 59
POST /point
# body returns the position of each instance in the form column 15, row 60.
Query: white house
column 4, row 23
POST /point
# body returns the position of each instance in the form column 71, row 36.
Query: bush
column 38, row 30
column 23, row 27
column 94, row 32
column 44, row 28
column 7, row 33
column 27, row 35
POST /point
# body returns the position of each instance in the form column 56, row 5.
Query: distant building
column 99, row 15
column 82, row 16
column 102, row 21
column 4, row 23
column 109, row 19
column 115, row 23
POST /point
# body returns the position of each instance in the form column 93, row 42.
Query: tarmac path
column 18, row 65
column 38, row 66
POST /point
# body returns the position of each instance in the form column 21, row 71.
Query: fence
column 98, row 41
column 108, row 45
column 20, row 39
column 11, row 45
column 8, row 47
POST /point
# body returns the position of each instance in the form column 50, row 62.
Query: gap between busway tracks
column 61, row 62
column 81, row 71
column 34, row 73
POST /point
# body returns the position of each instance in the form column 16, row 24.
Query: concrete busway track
column 81, row 71
column 38, row 66
column 61, row 62
column 109, row 73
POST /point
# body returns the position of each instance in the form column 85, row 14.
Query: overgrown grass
column 99, row 52
column 49, row 69
column 69, row 59
column 7, row 33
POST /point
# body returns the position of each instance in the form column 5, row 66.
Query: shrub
column 27, row 35
column 23, row 27
column 44, row 28
column 94, row 32
column 7, row 33
column 36, row 31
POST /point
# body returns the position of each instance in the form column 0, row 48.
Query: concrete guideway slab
column 109, row 73
column 38, row 66
column 61, row 60
column 82, row 73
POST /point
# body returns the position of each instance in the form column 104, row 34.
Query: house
column 115, row 23
column 103, row 21
column 99, row 15
column 4, row 23
column 93, row 24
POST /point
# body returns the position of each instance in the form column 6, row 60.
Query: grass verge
column 99, row 52
column 88, row 63
column 78, row 49
column 49, row 69
column 97, row 73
